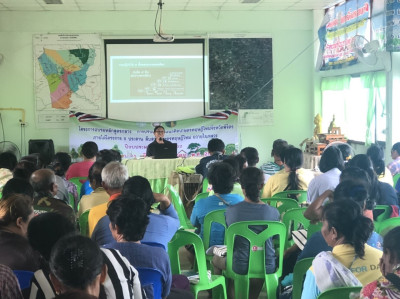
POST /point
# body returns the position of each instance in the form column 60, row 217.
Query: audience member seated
column 15, row 252
column 222, row 178
column 114, row 176
column 99, row 195
column 331, row 165
column 129, row 218
column 45, row 230
column 17, row 186
column 278, row 147
column 8, row 161
column 293, row 177
column 237, row 169
column 346, row 230
column 381, row 193
column 60, row 165
column 355, row 190
column 252, row 208
column 44, row 184
column 81, row 169
column 388, row 285
column 9, row 285
column 394, row 166
column 162, row 225
column 24, row 170
column 76, row 263
column 106, row 156
column 216, row 149
column 377, row 156
column 251, row 155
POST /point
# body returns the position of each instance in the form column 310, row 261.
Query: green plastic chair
column 292, row 220
column 256, row 256
column 201, row 196
column 335, row 293
column 180, row 209
column 396, row 177
column 78, row 181
column 282, row 204
column 301, row 195
column 385, row 214
column 84, row 224
column 387, row 225
column 217, row 216
column 299, row 273
column 182, row 238
column 205, row 185
column 313, row 228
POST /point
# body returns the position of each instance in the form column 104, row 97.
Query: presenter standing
column 159, row 133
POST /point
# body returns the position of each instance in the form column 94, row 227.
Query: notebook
column 165, row 151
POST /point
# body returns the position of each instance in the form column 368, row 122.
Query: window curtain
column 373, row 82
column 335, row 83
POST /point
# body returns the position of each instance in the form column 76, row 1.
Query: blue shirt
column 207, row 205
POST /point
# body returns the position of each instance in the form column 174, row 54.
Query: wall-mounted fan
column 368, row 52
column 8, row 146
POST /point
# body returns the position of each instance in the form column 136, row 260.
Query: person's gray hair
column 114, row 175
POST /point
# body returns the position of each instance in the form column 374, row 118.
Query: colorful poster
column 392, row 26
column 67, row 77
column 344, row 22
column 131, row 138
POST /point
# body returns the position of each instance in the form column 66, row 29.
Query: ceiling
column 172, row 5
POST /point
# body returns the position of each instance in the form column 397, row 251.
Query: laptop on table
column 165, row 151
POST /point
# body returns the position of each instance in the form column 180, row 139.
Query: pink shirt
column 80, row 169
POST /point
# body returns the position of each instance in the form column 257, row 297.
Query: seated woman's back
column 252, row 208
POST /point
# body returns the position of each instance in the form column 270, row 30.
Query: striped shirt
column 122, row 280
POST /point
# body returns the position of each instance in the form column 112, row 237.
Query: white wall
column 291, row 32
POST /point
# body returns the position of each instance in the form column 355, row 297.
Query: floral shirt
column 381, row 288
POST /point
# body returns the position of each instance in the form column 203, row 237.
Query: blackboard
column 240, row 73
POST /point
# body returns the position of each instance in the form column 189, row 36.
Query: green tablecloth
column 157, row 171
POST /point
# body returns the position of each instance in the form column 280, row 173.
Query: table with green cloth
column 157, row 171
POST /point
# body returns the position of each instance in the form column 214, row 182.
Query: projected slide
column 152, row 81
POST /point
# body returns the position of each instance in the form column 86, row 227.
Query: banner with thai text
column 343, row 22
column 131, row 138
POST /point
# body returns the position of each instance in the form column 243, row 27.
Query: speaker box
column 44, row 147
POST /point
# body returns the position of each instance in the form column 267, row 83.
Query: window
column 358, row 105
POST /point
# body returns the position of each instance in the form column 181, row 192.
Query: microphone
column 160, row 139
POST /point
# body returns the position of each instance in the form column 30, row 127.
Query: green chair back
column 217, row 216
column 299, row 273
column 387, row 225
column 180, row 209
column 294, row 219
column 313, row 228
column 78, row 181
column 182, row 238
column 201, row 196
column 282, row 204
column 256, row 255
column 84, row 224
column 385, row 212
column 300, row 195
column 343, row 292
column 205, row 185
column 396, row 177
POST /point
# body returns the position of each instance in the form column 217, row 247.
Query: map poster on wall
column 240, row 71
column 67, row 77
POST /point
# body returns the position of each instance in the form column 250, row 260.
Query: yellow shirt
column 98, row 212
column 279, row 181
column 97, row 197
column 365, row 269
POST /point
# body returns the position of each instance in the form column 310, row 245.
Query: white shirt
column 326, row 181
